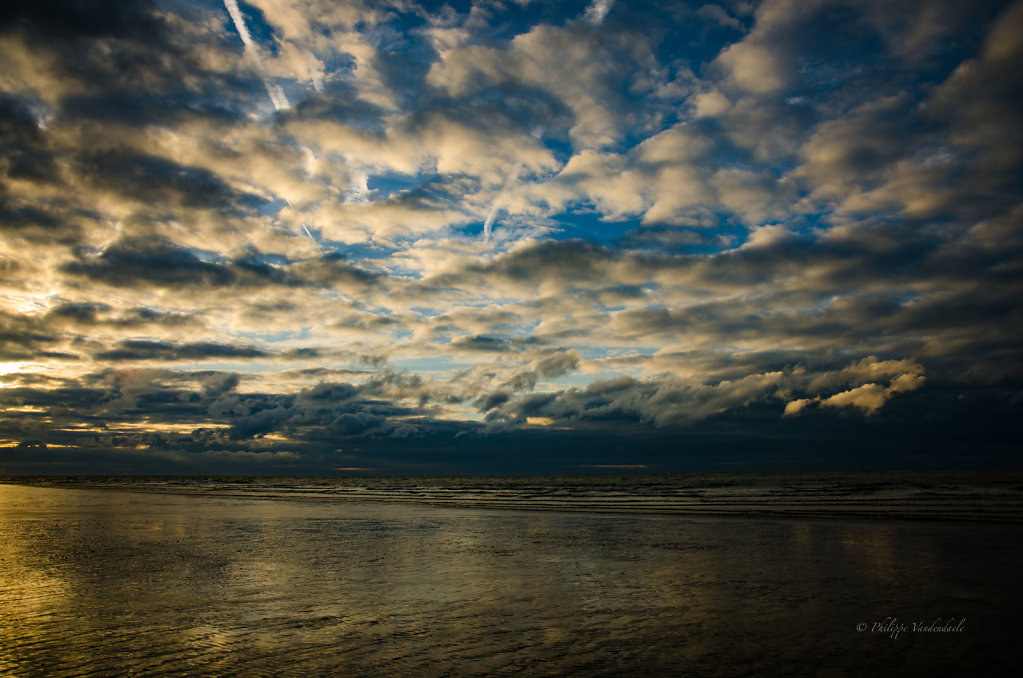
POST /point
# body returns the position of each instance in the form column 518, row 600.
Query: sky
column 508, row 236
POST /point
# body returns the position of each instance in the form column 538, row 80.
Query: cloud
column 597, row 11
column 158, row 180
column 24, row 147
column 869, row 398
column 141, row 349
column 672, row 401
column 564, row 62
column 794, row 407
column 273, row 90
column 710, row 104
column 722, row 224
column 133, row 261
column 559, row 364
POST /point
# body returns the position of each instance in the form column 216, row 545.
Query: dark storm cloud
column 214, row 102
column 325, row 412
column 22, row 218
column 96, row 313
column 141, row 349
column 160, row 181
column 492, row 400
column 135, row 260
column 21, row 338
column 159, row 262
column 136, row 350
column 671, row 402
column 979, row 108
column 85, row 313
column 23, row 146
column 59, row 330
column 122, row 61
column 89, row 413
column 72, row 19
column 95, row 43
column 314, row 422
column 490, row 343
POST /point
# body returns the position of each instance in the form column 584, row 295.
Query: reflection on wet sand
column 102, row 583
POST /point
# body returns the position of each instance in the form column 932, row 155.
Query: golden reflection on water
column 100, row 581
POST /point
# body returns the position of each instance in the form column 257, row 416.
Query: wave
column 961, row 495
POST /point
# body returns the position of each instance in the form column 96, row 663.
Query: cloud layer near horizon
column 297, row 236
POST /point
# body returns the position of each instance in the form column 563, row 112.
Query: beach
column 113, row 582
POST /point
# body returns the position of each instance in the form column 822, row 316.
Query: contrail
column 277, row 96
column 307, row 232
column 239, row 21
column 318, row 248
column 273, row 90
column 280, row 102
column 596, row 12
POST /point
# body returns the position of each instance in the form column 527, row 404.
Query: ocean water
column 512, row 576
column 962, row 495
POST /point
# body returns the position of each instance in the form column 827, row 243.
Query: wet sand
column 99, row 582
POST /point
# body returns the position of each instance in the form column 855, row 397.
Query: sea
column 894, row 573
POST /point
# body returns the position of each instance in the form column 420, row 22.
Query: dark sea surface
column 812, row 574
